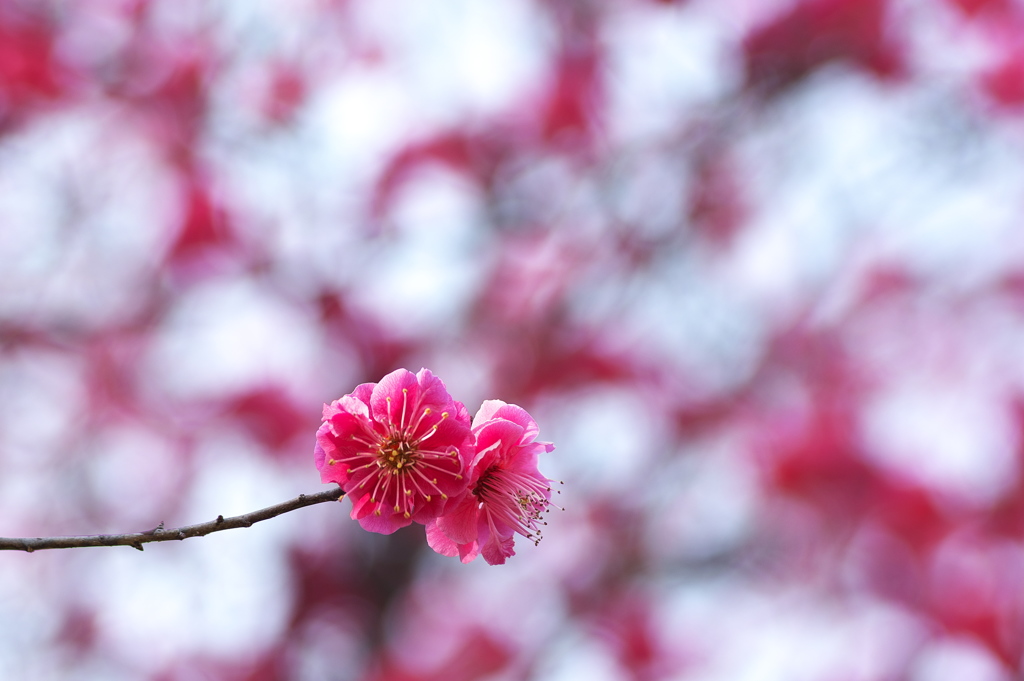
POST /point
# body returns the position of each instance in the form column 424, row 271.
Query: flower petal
column 496, row 550
column 496, row 441
column 361, row 505
column 321, row 459
column 468, row 552
column 437, row 540
column 433, row 392
column 384, row 523
column 496, row 409
column 460, row 523
column 387, row 399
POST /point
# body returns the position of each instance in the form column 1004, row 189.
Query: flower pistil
column 518, row 501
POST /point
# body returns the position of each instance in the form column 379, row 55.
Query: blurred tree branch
column 137, row 539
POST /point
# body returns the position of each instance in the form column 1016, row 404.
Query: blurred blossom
column 755, row 267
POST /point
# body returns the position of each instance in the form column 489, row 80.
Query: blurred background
column 754, row 266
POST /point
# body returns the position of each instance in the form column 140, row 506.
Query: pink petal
column 383, row 524
column 361, row 505
column 387, row 399
column 363, row 392
column 468, row 552
column 496, row 550
column 498, row 436
column 496, row 409
column 461, row 413
column 356, row 402
column 320, row 457
column 437, row 540
column 433, row 392
column 486, row 411
column 354, row 405
column 461, row 523
column 524, row 460
column 343, row 424
column 331, row 409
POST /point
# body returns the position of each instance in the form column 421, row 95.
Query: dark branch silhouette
column 137, row 539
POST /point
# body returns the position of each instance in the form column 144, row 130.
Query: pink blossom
column 397, row 448
column 506, row 494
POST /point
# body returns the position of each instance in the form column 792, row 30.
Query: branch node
column 220, row 519
column 246, row 522
column 181, row 534
column 138, row 545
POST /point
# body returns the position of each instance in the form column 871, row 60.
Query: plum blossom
column 506, row 494
column 397, row 448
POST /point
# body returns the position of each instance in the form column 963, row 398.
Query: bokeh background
column 756, row 267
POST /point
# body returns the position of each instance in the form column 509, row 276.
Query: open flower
column 506, row 494
column 397, row 448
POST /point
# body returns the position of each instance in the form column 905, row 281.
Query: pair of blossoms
column 404, row 451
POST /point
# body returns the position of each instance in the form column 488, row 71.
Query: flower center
column 515, row 500
column 395, row 454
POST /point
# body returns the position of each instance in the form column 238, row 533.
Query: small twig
column 158, row 533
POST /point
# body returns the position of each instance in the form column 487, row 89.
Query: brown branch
column 137, row 539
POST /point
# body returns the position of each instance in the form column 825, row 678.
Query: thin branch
column 137, row 539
